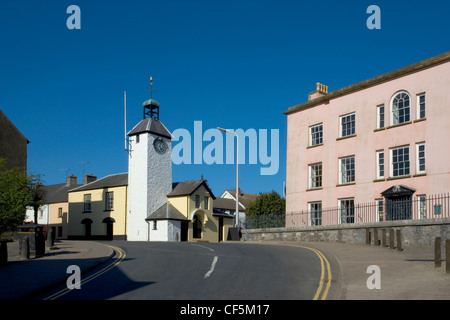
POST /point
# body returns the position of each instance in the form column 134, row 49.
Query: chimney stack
column 89, row 178
column 71, row 180
column 321, row 90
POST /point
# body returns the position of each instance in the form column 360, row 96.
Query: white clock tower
column 149, row 170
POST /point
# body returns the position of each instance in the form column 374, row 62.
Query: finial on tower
column 151, row 107
column 151, row 87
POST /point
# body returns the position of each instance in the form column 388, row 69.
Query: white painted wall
column 166, row 230
column 43, row 214
column 149, row 182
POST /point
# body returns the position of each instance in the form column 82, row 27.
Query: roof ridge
column 97, row 181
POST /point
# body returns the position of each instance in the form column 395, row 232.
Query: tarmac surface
column 404, row 275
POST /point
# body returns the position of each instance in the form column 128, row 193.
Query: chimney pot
column 321, row 90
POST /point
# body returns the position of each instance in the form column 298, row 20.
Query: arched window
column 400, row 108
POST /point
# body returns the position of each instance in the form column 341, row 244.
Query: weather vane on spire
column 151, row 107
column 151, row 87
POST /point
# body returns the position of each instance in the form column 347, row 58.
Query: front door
column 184, row 230
column 398, row 208
column 197, row 228
column 109, row 231
column 87, row 230
column 220, row 229
column 398, row 200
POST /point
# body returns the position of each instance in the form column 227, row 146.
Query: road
column 207, row 271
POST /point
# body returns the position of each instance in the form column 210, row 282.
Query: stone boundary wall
column 413, row 232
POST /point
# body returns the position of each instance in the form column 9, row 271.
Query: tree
column 17, row 191
column 266, row 204
column 37, row 195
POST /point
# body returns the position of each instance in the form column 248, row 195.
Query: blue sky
column 233, row 64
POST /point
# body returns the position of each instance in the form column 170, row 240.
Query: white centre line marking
column 213, row 265
column 198, row 245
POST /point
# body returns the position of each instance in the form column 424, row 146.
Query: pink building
column 375, row 150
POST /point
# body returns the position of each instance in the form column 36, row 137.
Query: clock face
column 159, row 145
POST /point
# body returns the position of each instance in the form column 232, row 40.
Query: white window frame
column 379, row 164
column 341, row 135
column 418, row 157
column 418, row 106
column 206, row 202
column 379, row 209
column 317, row 218
column 379, row 114
column 313, row 181
column 197, row 201
column 87, row 202
column 341, row 175
column 391, row 161
column 311, row 134
column 109, row 201
column 421, row 206
column 393, row 120
column 341, row 208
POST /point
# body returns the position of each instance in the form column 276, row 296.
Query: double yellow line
column 121, row 256
column 325, row 268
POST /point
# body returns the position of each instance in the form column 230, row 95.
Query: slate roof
column 152, row 126
column 226, row 204
column 167, row 212
column 113, row 180
column 220, row 213
column 244, row 198
column 182, row 188
column 186, row 188
column 58, row 192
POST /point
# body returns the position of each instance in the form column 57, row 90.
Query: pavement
column 21, row 279
column 409, row 274
column 404, row 275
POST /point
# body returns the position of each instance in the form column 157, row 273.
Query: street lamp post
column 237, row 173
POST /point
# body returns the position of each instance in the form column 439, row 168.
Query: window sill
column 379, row 180
column 399, row 177
column 314, row 189
column 346, row 184
column 379, row 129
column 86, row 212
column 106, row 210
column 346, row 137
column 422, row 174
column 399, row 125
column 317, row 145
column 420, row 120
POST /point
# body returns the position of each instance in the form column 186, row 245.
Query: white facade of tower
column 149, row 181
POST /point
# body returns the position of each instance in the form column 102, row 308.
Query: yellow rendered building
column 98, row 210
column 189, row 215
